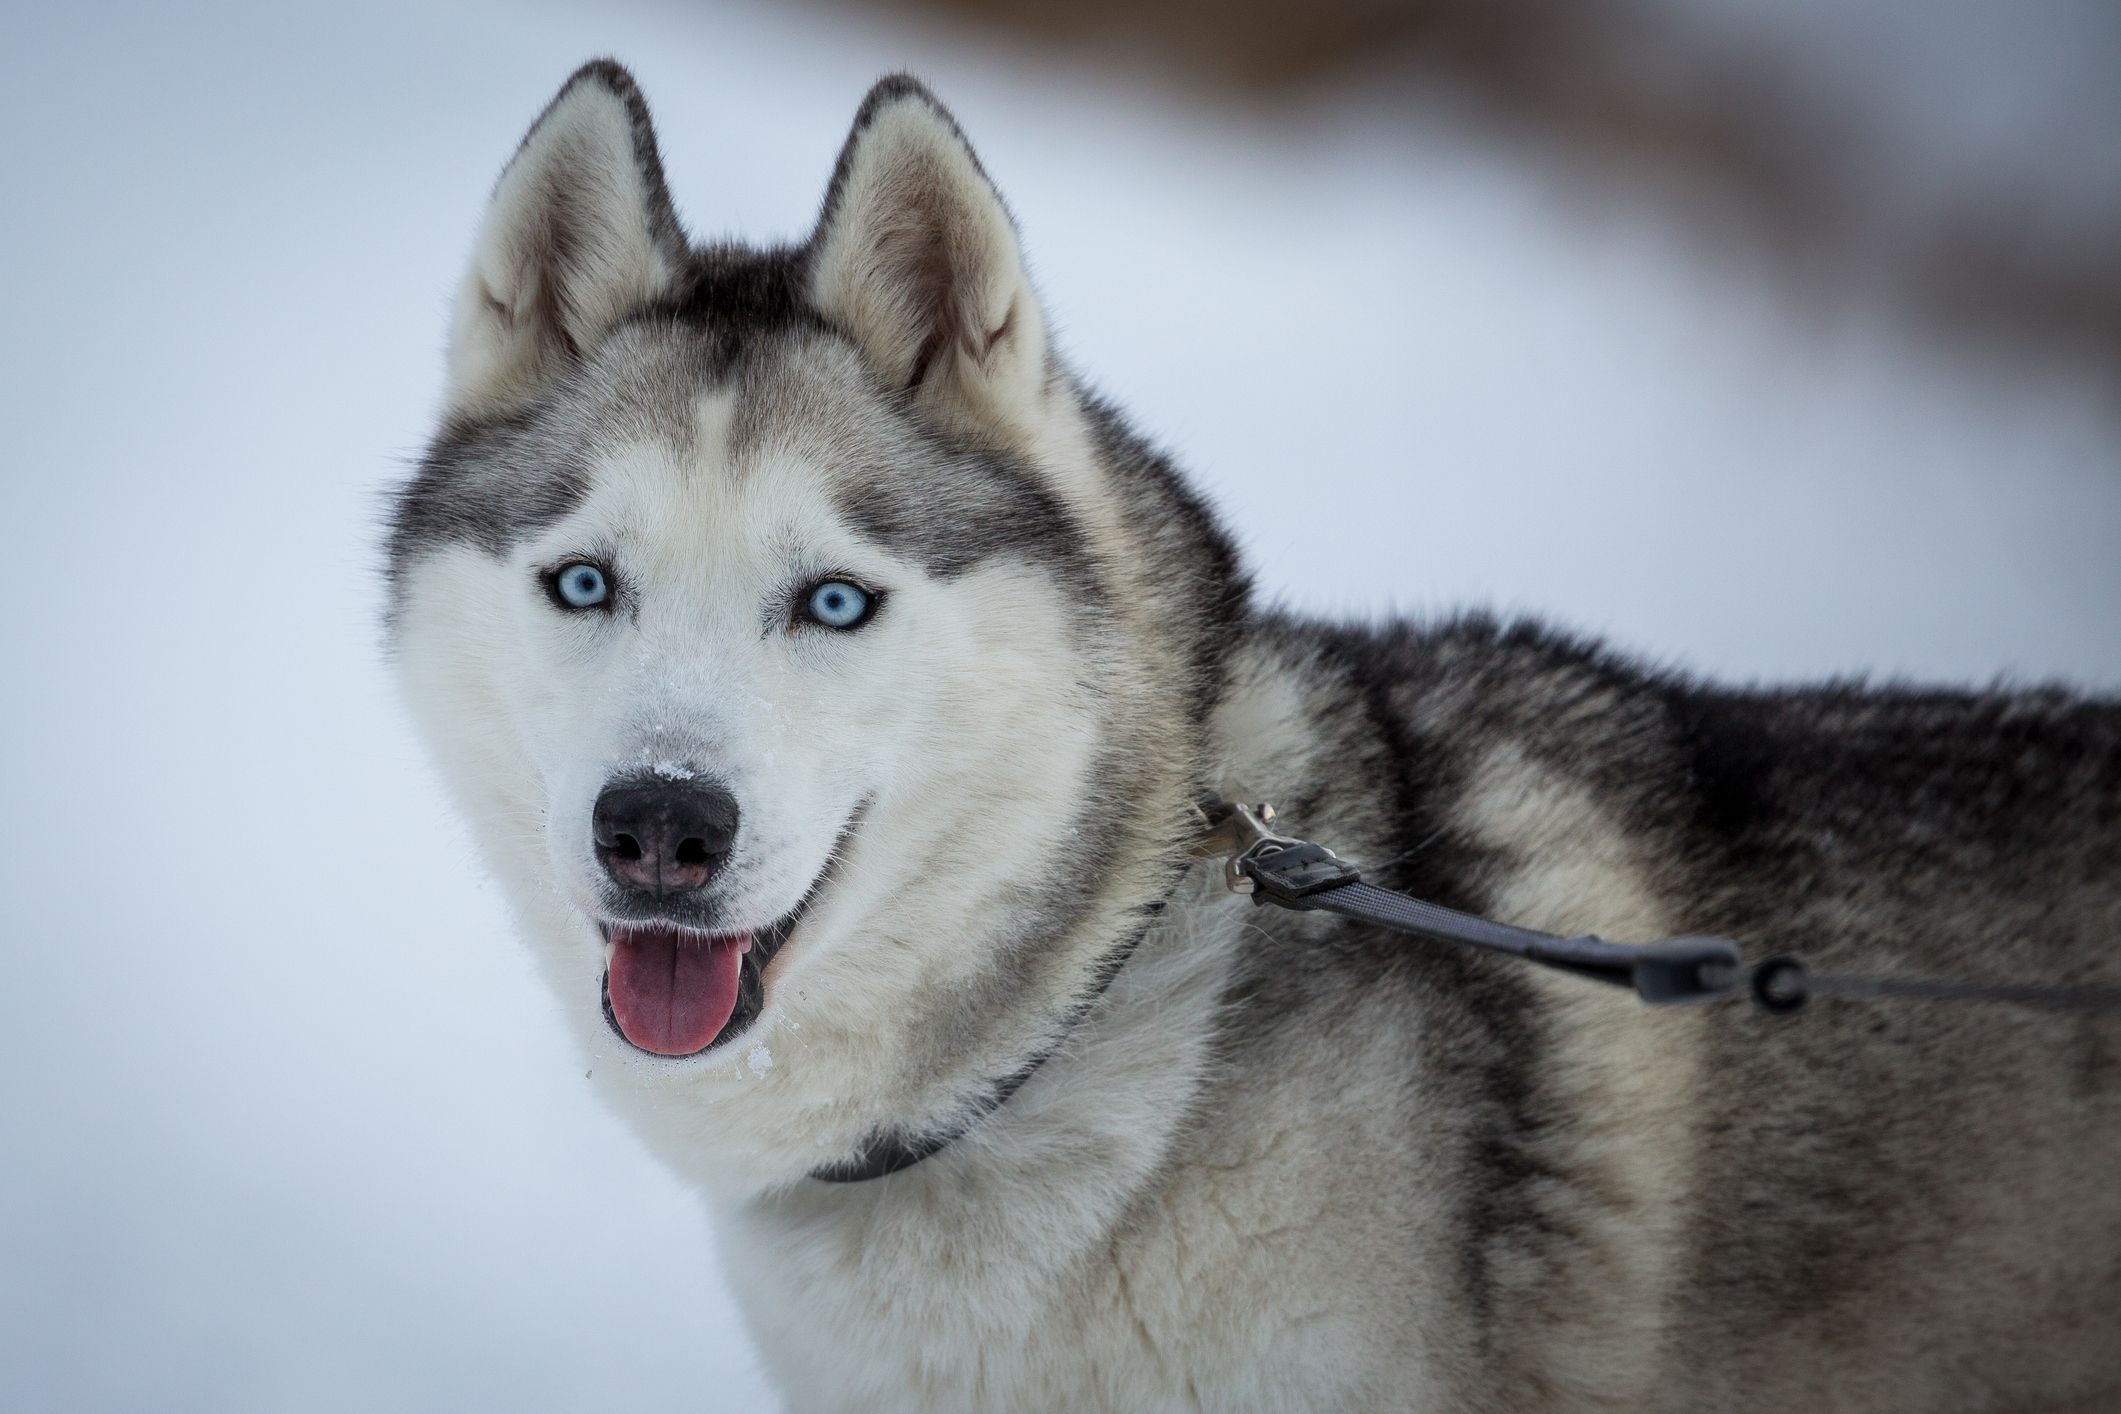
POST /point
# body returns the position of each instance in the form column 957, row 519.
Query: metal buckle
column 1257, row 856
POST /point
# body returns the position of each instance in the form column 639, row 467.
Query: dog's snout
column 663, row 837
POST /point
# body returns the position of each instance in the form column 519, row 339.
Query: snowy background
column 285, row 1123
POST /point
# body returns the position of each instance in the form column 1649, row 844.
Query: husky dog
column 833, row 683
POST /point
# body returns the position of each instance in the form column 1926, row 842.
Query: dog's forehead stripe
column 939, row 502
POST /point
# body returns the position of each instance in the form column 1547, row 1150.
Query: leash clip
column 1264, row 864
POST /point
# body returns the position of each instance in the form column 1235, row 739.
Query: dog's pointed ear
column 579, row 232
column 916, row 258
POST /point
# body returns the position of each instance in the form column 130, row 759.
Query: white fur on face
column 941, row 719
column 703, row 673
column 968, row 724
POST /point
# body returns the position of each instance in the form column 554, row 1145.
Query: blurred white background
column 287, row 1124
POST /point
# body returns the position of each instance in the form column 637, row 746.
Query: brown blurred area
column 1828, row 131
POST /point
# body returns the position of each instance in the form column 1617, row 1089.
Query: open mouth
column 674, row 990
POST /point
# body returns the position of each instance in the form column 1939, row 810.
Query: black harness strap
column 889, row 1152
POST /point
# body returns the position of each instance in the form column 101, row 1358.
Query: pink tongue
column 673, row 993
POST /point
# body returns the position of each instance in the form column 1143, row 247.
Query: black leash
column 1297, row 874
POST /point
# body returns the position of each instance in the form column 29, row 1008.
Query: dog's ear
column 580, row 231
column 916, row 258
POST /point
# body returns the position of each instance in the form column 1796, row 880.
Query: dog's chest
column 1186, row 1313
column 1138, row 1231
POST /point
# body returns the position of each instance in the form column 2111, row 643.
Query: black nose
column 663, row 837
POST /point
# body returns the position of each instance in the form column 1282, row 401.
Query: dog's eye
column 580, row 586
column 838, row 604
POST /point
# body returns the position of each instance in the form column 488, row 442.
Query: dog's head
column 819, row 669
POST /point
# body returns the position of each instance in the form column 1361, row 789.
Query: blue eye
column 580, row 586
column 838, row 604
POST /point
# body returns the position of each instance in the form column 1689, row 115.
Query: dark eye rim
column 550, row 578
column 803, row 618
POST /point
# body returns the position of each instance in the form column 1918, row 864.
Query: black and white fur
column 1270, row 1161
